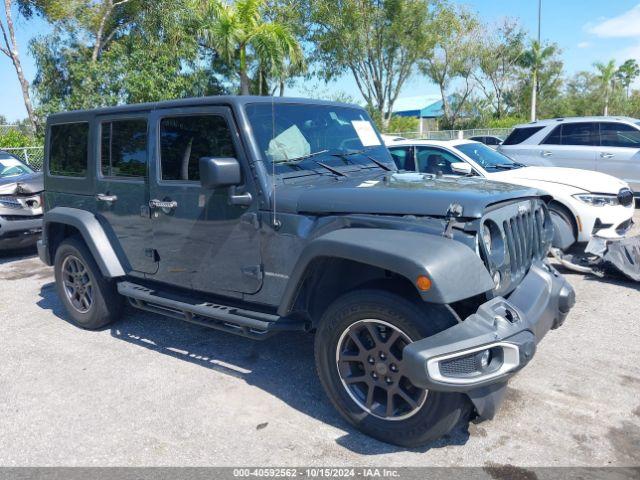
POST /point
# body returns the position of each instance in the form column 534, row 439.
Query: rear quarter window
column 521, row 134
column 68, row 149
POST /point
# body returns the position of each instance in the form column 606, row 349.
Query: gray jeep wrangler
column 255, row 215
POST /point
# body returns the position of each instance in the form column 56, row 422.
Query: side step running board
column 247, row 323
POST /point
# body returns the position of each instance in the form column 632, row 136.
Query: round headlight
column 486, row 236
column 493, row 242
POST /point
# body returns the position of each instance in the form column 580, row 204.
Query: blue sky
column 586, row 30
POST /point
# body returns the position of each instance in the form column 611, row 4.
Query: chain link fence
column 32, row 156
column 453, row 134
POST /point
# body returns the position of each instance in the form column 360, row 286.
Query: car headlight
column 493, row 242
column 598, row 200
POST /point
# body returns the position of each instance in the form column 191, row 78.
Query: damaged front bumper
column 480, row 354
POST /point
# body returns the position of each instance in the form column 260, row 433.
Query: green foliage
column 14, row 138
column 244, row 38
column 395, row 124
column 376, row 41
column 156, row 60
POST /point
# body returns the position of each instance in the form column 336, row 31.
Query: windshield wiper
column 331, row 169
column 298, row 159
column 362, row 152
column 503, row 166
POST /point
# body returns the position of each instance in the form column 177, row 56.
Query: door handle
column 106, row 198
column 606, row 155
column 155, row 203
column 546, row 153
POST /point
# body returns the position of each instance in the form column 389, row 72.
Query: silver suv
column 606, row 144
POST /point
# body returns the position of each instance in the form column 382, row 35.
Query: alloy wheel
column 77, row 284
column 369, row 362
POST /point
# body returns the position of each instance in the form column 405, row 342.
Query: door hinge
column 152, row 253
column 253, row 271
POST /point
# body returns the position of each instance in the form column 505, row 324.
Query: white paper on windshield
column 7, row 163
column 366, row 133
column 289, row 144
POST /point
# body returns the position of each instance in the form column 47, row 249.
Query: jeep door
column 619, row 153
column 571, row 144
column 122, row 188
column 201, row 239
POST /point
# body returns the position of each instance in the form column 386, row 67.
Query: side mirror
column 219, row 172
column 461, row 168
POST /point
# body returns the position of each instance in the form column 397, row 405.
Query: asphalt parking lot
column 155, row 391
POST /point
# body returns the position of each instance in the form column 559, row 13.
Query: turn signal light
column 423, row 283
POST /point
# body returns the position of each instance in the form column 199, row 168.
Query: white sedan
column 584, row 202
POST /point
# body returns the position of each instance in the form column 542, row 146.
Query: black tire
column 436, row 416
column 565, row 215
column 106, row 304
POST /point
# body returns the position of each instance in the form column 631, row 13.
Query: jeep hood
column 586, row 180
column 22, row 184
column 398, row 194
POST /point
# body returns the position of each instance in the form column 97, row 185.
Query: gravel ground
column 155, row 391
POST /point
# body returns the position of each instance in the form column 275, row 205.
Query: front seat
column 436, row 164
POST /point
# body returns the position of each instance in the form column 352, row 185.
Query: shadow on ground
column 281, row 365
column 8, row 256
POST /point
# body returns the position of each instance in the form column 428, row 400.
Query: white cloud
column 584, row 45
column 626, row 25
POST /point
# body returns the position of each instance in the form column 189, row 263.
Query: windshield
column 298, row 136
column 486, row 157
column 10, row 167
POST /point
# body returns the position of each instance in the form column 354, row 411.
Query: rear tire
column 346, row 332
column 91, row 300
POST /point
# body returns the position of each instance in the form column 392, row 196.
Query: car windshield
column 487, row 157
column 293, row 137
column 10, row 167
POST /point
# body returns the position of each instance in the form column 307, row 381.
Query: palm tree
column 239, row 33
column 534, row 60
column 607, row 77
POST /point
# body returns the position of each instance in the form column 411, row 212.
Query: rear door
column 202, row 241
column 571, row 144
column 122, row 190
column 619, row 153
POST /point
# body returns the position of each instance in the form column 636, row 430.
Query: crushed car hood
column 22, row 184
column 587, row 180
column 398, row 194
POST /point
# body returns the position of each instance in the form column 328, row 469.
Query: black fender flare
column 92, row 233
column 456, row 272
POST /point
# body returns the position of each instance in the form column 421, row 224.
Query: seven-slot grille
column 524, row 234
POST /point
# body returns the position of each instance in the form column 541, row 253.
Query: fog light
column 485, row 359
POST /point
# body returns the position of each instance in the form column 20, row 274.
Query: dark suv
column 255, row 215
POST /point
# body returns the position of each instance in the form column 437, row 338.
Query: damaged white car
column 585, row 203
column 20, row 203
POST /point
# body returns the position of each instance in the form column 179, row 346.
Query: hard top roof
column 230, row 100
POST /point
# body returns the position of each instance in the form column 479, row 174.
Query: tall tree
column 454, row 56
column 9, row 47
column 627, row 73
column 607, row 76
column 240, row 33
column 378, row 41
column 534, row 60
column 501, row 48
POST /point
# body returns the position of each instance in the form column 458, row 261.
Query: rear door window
column 68, row 149
column 124, row 148
column 619, row 135
column 521, row 134
column 186, row 139
column 575, row 134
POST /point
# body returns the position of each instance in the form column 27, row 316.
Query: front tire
column 358, row 351
column 91, row 300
